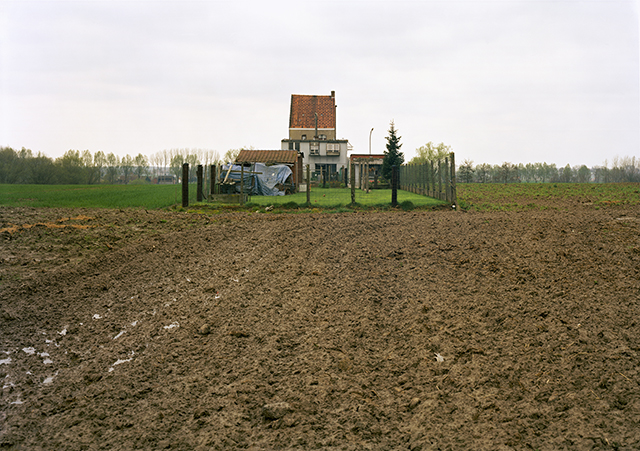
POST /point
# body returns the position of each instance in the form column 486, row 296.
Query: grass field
column 93, row 196
column 475, row 197
column 341, row 197
column 164, row 196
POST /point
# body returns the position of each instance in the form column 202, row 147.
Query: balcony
column 333, row 150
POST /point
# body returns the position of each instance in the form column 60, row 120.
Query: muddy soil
column 384, row 331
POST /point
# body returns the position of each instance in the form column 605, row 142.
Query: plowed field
column 384, row 331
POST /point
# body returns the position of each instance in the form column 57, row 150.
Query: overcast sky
column 515, row 80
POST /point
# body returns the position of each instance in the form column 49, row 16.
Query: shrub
column 407, row 205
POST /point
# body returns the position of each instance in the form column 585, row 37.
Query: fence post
column 454, row 194
column 431, row 179
column 185, row 185
column 241, row 183
column 394, row 185
column 366, row 179
column 199, row 194
column 447, row 184
column 352, row 174
column 308, row 184
column 440, row 179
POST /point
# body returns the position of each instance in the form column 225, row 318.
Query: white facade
column 331, row 155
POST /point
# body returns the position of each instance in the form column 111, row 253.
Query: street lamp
column 366, row 183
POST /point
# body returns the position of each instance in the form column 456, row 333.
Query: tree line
column 621, row 170
column 85, row 168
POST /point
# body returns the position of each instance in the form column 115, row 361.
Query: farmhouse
column 312, row 132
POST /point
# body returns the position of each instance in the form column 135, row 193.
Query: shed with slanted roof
column 291, row 158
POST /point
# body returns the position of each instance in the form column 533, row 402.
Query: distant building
column 312, row 132
column 165, row 180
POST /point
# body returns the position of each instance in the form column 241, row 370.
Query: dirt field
column 383, row 331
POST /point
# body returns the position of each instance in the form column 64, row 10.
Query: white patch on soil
column 172, row 326
column 121, row 361
column 49, row 380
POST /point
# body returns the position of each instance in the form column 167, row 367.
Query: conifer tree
column 392, row 156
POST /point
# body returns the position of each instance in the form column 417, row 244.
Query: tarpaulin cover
column 266, row 179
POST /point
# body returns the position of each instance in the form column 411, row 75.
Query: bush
column 139, row 182
column 407, row 205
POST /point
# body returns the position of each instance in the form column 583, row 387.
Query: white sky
column 498, row 80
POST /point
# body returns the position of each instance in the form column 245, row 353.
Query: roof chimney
column 333, row 94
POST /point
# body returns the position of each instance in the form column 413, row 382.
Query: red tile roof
column 268, row 156
column 304, row 108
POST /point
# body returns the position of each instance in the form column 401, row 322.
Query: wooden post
column 440, row 179
column 353, row 184
column 199, row 193
column 241, row 183
column 447, row 185
column 366, row 176
column 434, row 169
column 394, row 185
column 185, row 185
column 454, row 194
column 308, row 185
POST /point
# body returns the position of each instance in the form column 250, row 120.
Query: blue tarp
column 259, row 179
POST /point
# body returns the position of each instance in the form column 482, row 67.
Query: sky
column 518, row 81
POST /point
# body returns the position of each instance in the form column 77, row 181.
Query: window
column 333, row 149
column 314, row 149
column 304, row 137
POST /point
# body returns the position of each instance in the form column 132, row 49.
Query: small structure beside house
column 260, row 173
column 312, row 132
column 364, row 164
column 291, row 158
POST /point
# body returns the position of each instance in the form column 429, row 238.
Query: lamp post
column 370, row 140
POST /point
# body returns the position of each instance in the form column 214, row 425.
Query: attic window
column 304, row 137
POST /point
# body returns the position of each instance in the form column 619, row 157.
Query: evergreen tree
column 392, row 156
